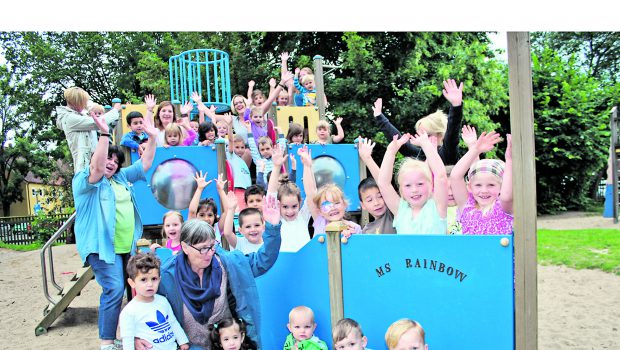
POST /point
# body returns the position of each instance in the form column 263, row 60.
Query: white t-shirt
column 244, row 246
column 153, row 322
column 295, row 233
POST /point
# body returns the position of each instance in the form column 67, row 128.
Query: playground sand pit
column 577, row 309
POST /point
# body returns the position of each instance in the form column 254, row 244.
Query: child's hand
column 508, row 154
column 452, row 93
column 421, row 139
column 486, row 142
column 251, row 83
column 293, row 161
column 261, row 165
column 150, row 102
column 377, row 107
column 141, row 149
column 305, row 155
column 278, row 156
column 201, row 181
column 165, row 145
column 184, row 347
column 297, row 70
column 205, row 143
column 196, row 98
column 232, row 201
column 101, row 124
column 220, row 183
column 150, row 130
column 278, row 130
column 186, row 108
column 272, row 82
column 271, row 210
column 468, row 133
column 248, row 125
column 338, row 121
column 365, row 147
column 227, row 118
column 154, row 246
column 285, row 77
column 397, row 142
column 284, row 56
column 210, row 112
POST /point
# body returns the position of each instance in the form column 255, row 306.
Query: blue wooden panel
column 200, row 157
column 460, row 288
column 345, row 156
column 295, row 279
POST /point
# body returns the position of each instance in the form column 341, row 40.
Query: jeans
column 111, row 279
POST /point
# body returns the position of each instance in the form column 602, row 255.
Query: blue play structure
column 205, row 71
column 460, row 288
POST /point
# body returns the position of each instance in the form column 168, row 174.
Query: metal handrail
column 48, row 246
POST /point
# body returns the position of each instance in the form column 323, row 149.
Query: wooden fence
column 21, row 230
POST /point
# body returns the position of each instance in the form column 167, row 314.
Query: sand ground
column 577, row 309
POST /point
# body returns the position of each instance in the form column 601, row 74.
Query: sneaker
column 108, row 347
column 119, row 344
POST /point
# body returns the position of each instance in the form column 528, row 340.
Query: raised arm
column 151, row 145
column 250, row 92
column 505, row 195
column 408, row 150
column 454, row 95
column 229, row 230
column 220, row 184
column 384, row 180
column 340, row 135
column 365, row 147
column 201, row 183
column 286, row 76
column 100, row 157
column 284, row 56
column 308, row 179
column 438, row 169
column 278, row 157
column 150, row 102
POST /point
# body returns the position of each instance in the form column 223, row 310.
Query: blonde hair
column 265, row 140
column 408, row 165
column 238, row 138
column 168, row 214
column 435, row 123
column 173, row 129
column 76, row 97
column 301, row 309
column 323, row 124
column 96, row 108
column 256, row 110
column 343, row 328
column 307, row 77
column 232, row 103
column 332, row 189
column 400, row 327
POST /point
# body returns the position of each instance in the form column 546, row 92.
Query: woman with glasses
column 206, row 284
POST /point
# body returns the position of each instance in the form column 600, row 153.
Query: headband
column 491, row 166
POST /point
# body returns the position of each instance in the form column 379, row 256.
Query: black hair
column 247, row 212
column 366, row 184
column 254, row 189
column 214, row 333
column 208, row 203
column 203, row 128
column 133, row 115
column 115, row 150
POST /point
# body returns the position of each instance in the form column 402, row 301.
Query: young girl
column 485, row 202
column 206, row 209
column 222, row 128
column 260, row 126
column 405, row 334
column 295, row 134
column 206, row 133
column 174, row 135
column 230, row 334
column 324, row 134
column 421, row 207
column 171, row 230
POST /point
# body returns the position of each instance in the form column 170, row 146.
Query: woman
column 108, row 225
column 206, row 284
column 166, row 114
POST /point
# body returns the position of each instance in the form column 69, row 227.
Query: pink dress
column 175, row 249
column 474, row 222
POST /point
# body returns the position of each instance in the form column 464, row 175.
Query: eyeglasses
column 206, row 250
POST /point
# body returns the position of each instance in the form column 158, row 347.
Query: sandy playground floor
column 577, row 309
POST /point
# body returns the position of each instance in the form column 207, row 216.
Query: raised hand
column 305, row 155
column 196, row 97
column 293, row 161
column 248, row 125
column 421, row 139
column 508, row 154
column 261, row 165
column 201, row 181
column 452, row 92
column 151, row 130
column 101, row 124
column 377, row 107
column 468, row 133
column 232, row 201
column 150, row 102
column 227, row 118
column 284, row 56
column 278, row 130
column 251, row 83
column 285, row 77
column 220, row 183
column 210, row 112
column 272, row 82
column 278, row 156
column 338, row 121
column 271, row 210
column 397, row 142
column 186, row 108
column 297, row 70
column 365, row 147
column 487, row 141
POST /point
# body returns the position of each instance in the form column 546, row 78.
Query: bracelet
column 104, row 134
column 282, row 85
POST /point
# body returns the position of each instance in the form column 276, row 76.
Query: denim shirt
column 95, row 205
column 241, row 270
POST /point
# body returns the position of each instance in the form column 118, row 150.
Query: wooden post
column 319, row 85
column 334, row 268
column 364, row 219
column 524, row 185
column 614, row 160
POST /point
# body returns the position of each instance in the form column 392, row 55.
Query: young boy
column 301, row 325
column 240, row 169
column 253, row 197
column 323, row 132
column 136, row 137
column 405, row 334
column 263, row 152
column 251, row 227
column 148, row 315
column 79, row 128
column 347, row 335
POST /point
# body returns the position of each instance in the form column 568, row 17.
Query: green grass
column 581, row 249
column 27, row 247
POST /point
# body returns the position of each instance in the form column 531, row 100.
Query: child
column 195, row 126
column 405, row 334
column 371, row 199
column 171, row 230
column 206, row 209
column 222, row 129
column 299, row 97
column 174, row 135
column 485, row 202
column 96, row 110
column 347, row 335
column 230, row 334
column 262, row 151
column 251, row 227
column 423, row 186
column 149, row 315
column 323, row 132
column 301, row 325
column 295, row 134
column 328, row 204
column 253, row 197
column 306, row 88
column 206, row 133
column 80, row 129
column 259, row 127
column 136, row 136
column 240, row 169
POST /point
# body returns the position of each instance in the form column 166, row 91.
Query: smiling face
column 289, row 207
column 231, row 337
column 353, row 341
column 194, row 125
column 333, row 207
column 222, row 129
column 259, row 99
column 172, row 228
column 166, row 115
column 210, row 135
column 206, row 213
column 239, row 104
column 282, row 99
column 111, row 165
column 252, row 228
column 415, row 188
column 145, row 284
column 257, row 119
column 485, row 188
column 373, row 202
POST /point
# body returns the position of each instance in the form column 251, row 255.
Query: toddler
column 485, row 202
column 258, row 127
column 137, row 136
column 323, row 132
column 174, row 134
column 206, row 133
column 195, row 126
column 171, row 230
column 423, row 186
column 347, row 335
column 301, row 325
column 149, row 315
column 222, row 128
column 405, row 334
column 230, row 334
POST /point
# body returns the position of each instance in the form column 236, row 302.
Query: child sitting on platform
column 347, row 335
column 137, row 136
column 145, row 311
column 405, row 334
column 485, row 202
column 323, row 132
column 421, row 207
column 301, row 325
column 171, row 230
column 230, row 334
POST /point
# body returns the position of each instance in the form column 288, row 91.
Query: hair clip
column 215, row 325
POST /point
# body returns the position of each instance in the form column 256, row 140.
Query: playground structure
column 611, row 197
column 416, row 295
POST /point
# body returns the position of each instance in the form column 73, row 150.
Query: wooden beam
column 524, row 185
column 334, row 267
column 319, row 85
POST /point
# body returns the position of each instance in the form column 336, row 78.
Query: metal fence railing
column 21, row 230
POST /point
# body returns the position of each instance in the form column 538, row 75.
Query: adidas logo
column 162, row 325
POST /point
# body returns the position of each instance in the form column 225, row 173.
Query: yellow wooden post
column 524, row 185
column 319, row 85
column 334, row 268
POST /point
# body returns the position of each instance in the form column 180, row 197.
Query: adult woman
column 108, row 223
column 165, row 115
column 205, row 283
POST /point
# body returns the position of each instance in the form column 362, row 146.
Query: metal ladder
column 615, row 148
column 59, row 303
